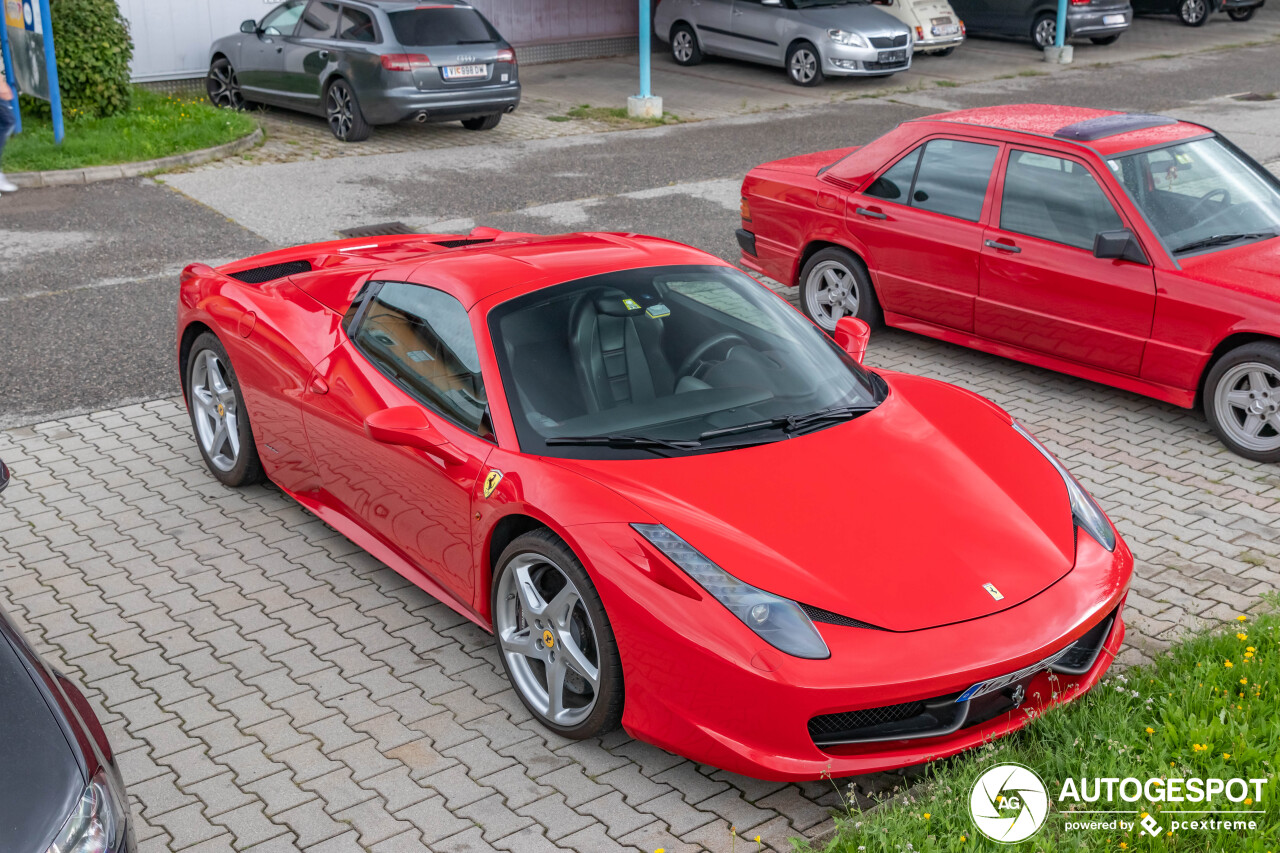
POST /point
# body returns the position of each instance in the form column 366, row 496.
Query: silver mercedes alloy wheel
column 1247, row 399
column 831, row 292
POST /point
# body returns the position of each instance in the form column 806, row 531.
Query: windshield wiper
column 644, row 442
column 1220, row 240
column 793, row 423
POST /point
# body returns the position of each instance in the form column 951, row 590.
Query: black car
column 1100, row 21
column 1194, row 13
column 360, row 64
column 60, row 789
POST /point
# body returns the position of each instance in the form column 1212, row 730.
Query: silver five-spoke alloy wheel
column 804, row 65
column 1247, row 398
column 546, row 635
column 1046, row 34
column 831, row 292
column 214, row 410
column 1193, row 11
column 682, row 46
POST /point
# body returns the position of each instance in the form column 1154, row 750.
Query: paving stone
column 311, row 824
column 373, row 821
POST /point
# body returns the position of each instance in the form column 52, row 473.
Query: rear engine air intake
column 258, row 275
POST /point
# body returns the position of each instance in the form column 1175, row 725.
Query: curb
column 93, row 174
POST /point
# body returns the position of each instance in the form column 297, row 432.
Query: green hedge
column 94, row 50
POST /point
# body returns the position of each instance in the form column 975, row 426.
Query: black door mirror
column 250, row 27
column 1118, row 245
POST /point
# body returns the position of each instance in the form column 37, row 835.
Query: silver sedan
column 809, row 38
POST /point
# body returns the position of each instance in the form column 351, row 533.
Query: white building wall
column 171, row 38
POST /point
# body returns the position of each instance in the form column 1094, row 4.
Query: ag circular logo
column 1009, row 803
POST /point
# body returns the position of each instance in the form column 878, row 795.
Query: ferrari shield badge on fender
column 989, row 587
column 491, row 481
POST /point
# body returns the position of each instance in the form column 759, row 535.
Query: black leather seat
column 617, row 351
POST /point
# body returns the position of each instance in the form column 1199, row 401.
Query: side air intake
column 258, row 275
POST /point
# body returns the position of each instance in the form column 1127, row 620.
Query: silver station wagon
column 811, row 39
column 371, row 62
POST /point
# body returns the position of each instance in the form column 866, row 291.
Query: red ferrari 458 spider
column 674, row 501
column 1135, row 250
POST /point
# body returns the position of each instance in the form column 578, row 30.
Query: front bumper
column 1088, row 22
column 405, row 102
column 701, row 684
column 839, row 60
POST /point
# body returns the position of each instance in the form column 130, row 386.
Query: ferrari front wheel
column 218, row 415
column 555, row 639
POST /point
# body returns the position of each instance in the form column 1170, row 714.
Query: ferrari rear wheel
column 555, row 639
column 218, row 415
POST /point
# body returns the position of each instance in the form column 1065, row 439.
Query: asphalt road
column 88, row 275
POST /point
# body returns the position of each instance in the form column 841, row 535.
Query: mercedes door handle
column 873, row 214
column 1001, row 247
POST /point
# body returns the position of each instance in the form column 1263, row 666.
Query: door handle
column 280, row 49
column 872, row 214
column 1001, row 247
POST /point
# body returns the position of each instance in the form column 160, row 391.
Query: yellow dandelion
column 1226, row 756
column 1228, row 664
column 1150, row 730
column 1242, row 618
column 1250, row 649
column 927, row 815
column 1248, row 801
column 1124, row 846
column 1242, row 636
column 1244, row 681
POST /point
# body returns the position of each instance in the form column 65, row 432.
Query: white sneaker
column 6, row 186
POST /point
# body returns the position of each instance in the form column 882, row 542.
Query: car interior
column 1054, row 199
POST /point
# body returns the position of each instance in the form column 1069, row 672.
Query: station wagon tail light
column 744, row 207
column 405, row 61
column 507, row 55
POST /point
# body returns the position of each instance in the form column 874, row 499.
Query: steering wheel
column 1222, row 192
column 694, row 360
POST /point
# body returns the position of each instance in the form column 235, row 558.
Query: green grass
column 156, row 125
column 1210, row 708
column 616, row 116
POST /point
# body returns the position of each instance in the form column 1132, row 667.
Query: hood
column 856, row 17
column 40, row 776
column 897, row 518
column 1251, row 268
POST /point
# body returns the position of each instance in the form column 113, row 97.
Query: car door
column 758, row 30
column 406, row 345
column 306, row 53
column 921, row 223
column 1041, row 286
column 713, row 19
column 263, row 56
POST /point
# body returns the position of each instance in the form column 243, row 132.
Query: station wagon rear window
column 428, row 27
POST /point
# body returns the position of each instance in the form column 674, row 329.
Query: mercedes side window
column 895, row 183
column 1054, row 199
column 283, row 20
column 953, row 177
column 356, row 25
column 422, row 339
column 319, row 21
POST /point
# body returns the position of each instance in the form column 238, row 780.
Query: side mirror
column 1118, row 245
column 249, row 27
column 852, row 335
column 408, row 426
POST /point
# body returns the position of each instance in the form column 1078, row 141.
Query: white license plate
column 949, row 30
column 1112, row 19
column 464, row 72
column 892, row 56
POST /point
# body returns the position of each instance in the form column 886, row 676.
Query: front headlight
column 1084, row 509
column 847, row 38
column 96, row 824
column 778, row 621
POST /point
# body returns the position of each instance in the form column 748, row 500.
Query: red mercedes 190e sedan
column 1133, row 250
column 675, row 502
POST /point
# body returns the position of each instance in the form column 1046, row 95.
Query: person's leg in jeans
column 6, row 127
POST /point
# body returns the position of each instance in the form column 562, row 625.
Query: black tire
column 1193, row 13
column 607, row 711
column 222, row 86
column 804, row 64
column 685, row 49
column 1231, row 422
column 946, row 51
column 488, row 122
column 1044, row 31
column 247, row 467
column 1111, row 39
column 846, row 266
column 342, row 111
column 1242, row 15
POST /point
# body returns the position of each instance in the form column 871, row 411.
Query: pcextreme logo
column 1009, row 803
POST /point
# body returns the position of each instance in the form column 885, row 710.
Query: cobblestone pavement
column 268, row 686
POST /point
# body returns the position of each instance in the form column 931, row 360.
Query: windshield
column 666, row 354
column 1201, row 195
column 425, row 27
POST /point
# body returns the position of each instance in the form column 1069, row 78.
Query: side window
column 422, row 338
column 356, row 25
column 1054, row 199
column 283, row 20
column 953, row 177
column 895, row 183
column 319, row 21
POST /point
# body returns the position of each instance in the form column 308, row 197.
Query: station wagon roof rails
column 1112, row 125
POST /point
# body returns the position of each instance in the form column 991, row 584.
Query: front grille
column 466, row 241
column 1080, row 658
column 258, row 275
column 889, row 41
column 817, row 614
